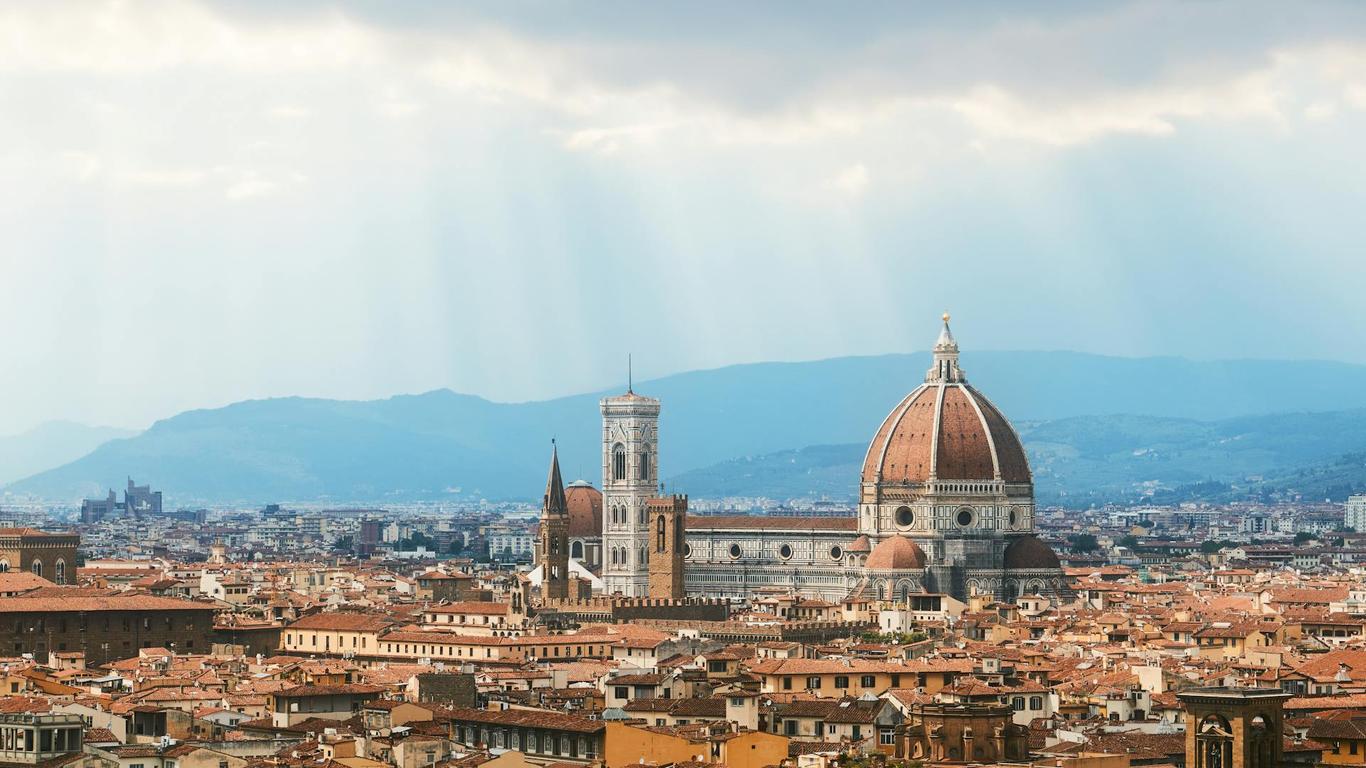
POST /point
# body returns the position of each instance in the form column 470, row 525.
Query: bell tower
column 1234, row 727
column 668, row 517
column 554, row 543
column 630, row 471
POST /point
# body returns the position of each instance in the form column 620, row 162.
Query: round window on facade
column 836, row 553
column 735, row 551
column 965, row 517
column 904, row 516
column 687, row 550
column 1013, row 517
column 785, row 551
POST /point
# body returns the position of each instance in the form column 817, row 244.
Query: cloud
column 852, row 180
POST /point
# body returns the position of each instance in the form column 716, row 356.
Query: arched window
column 644, row 557
column 642, row 518
column 576, row 550
column 60, row 571
column 660, row 532
column 37, row 567
column 644, row 465
column 4, row 566
column 618, row 462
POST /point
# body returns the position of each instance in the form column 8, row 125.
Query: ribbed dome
column 947, row 430
column 859, row 546
column 896, row 553
column 1029, row 552
column 585, row 509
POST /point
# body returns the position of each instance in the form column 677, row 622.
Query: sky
column 207, row 202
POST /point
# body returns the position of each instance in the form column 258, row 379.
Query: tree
column 418, row 540
column 1129, row 541
column 1083, row 542
column 1214, row 545
column 343, row 543
column 1304, row 536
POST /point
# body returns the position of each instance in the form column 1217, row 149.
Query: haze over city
column 601, row 384
column 211, row 202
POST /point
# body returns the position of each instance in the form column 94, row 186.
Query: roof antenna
column 629, row 375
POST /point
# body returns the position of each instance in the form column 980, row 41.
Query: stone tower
column 668, row 517
column 1233, row 727
column 553, row 548
column 630, row 470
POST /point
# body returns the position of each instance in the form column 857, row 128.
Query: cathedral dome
column 584, row 503
column 946, row 430
column 1029, row 552
column 896, row 553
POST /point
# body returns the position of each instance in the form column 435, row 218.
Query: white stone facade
column 630, row 476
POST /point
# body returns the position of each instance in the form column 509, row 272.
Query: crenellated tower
column 668, row 517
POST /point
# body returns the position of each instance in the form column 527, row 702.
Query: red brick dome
column 584, row 503
column 896, row 553
column 947, row 430
column 1028, row 552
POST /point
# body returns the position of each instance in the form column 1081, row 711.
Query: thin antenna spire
column 630, row 376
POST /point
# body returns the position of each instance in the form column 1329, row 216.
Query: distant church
column 946, row 504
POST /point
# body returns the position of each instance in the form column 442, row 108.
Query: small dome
column 861, row 546
column 1029, row 552
column 896, row 553
column 584, row 503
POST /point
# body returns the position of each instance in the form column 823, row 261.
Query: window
column 622, row 692
column 618, row 462
column 841, row 681
column 660, row 529
column 886, row 736
column 787, row 683
column 644, row 465
column 813, row 683
column 735, row 551
column 1036, row 703
column 790, row 727
column 1017, row 703
column 867, row 681
column 785, row 551
column 964, row 517
column 37, row 567
column 904, row 516
column 60, row 572
column 836, row 553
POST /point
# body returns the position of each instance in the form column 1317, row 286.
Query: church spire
column 554, row 501
column 945, row 369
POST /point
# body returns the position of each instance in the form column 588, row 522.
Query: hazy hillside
column 48, row 445
column 1083, row 460
column 425, row 446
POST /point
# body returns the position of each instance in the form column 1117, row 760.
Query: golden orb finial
column 946, row 317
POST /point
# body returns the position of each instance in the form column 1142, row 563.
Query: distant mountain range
column 1085, row 460
column 49, row 445
column 443, row 445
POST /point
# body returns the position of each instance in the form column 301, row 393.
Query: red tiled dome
column 1029, row 552
column 896, row 553
column 947, row 430
column 584, row 503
